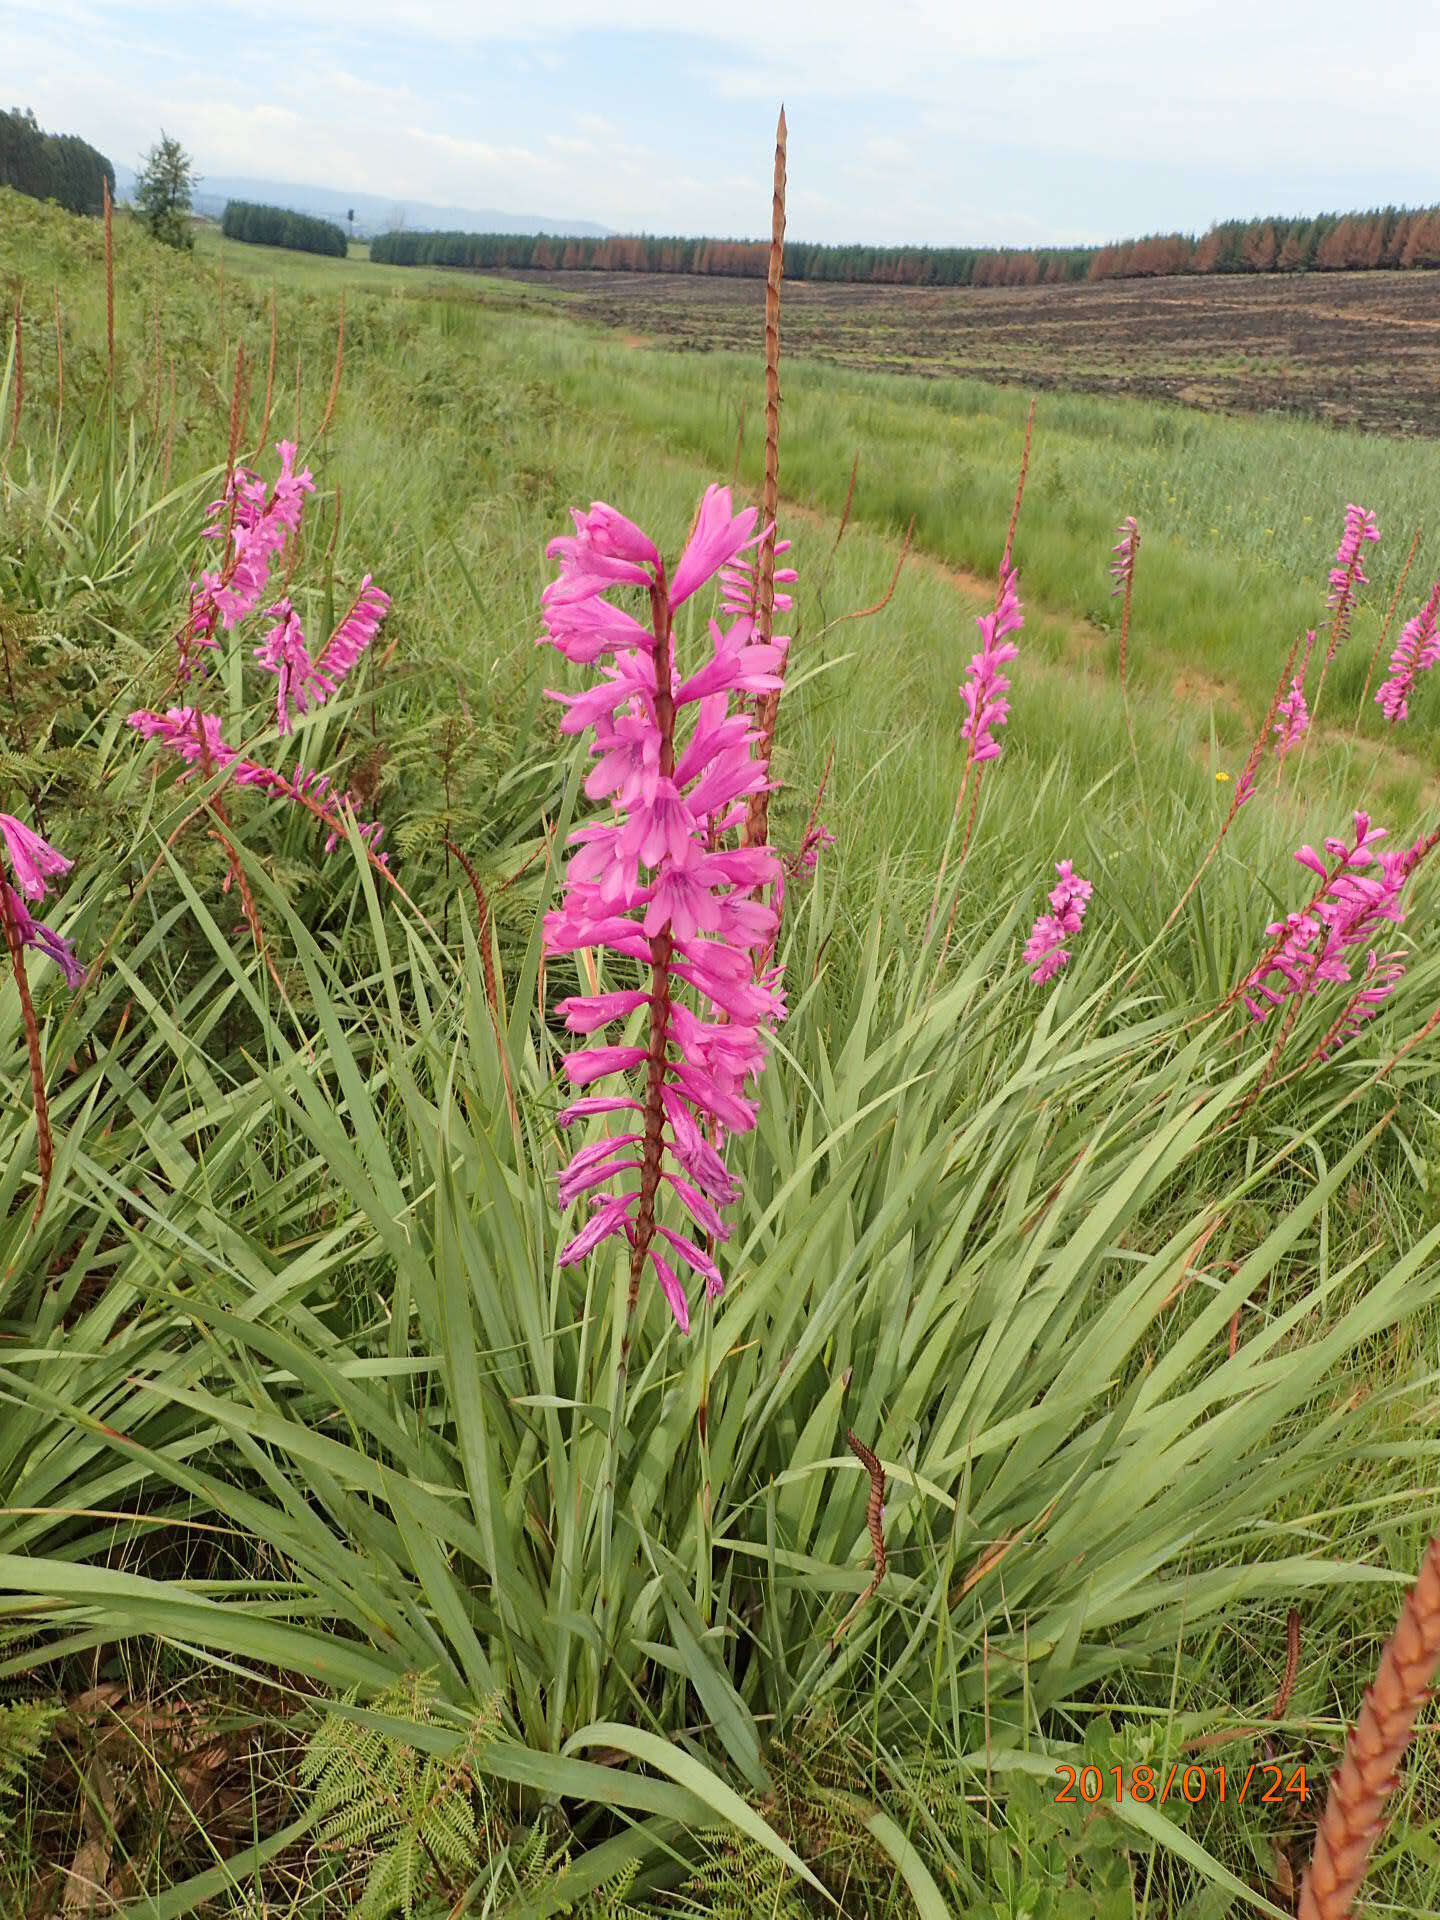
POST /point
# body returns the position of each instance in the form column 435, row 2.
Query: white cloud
column 941, row 119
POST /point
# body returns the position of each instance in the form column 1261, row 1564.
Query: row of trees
column 1329, row 243
column 279, row 227
column 52, row 166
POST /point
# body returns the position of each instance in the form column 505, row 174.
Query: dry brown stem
column 335, row 383
column 757, row 817
column 109, row 287
column 44, row 1143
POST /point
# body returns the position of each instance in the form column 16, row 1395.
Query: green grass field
column 329, row 1559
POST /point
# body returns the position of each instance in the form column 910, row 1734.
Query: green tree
column 164, row 191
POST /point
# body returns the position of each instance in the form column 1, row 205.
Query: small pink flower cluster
column 659, row 884
column 1292, row 716
column 259, row 525
column 1047, row 950
column 1416, row 652
column 1348, row 572
column 34, row 863
column 301, row 683
column 1361, row 530
column 180, row 730
column 255, row 524
column 1311, row 949
column 986, row 685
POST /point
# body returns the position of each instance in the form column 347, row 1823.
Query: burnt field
column 1358, row 350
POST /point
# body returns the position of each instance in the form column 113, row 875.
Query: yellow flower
column 1222, row 776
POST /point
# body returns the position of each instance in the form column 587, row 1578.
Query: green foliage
column 279, row 227
column 52, row 166
column 25, row 1726
column 410, row 1815
column 1382, row 237
column 289, row 1375
column 164, row 190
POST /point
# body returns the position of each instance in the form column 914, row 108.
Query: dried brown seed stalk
column 1005, row 561
column 757, row 817
column 1360, row 1786
column 59, row 365
column 44, row 1143
column 875, row 1523
column 1292, row 1664
column 335, row 383
column 109, row 287
column 1240, row 786
column 19, row 395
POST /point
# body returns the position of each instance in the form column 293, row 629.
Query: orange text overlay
column 1265, row 1783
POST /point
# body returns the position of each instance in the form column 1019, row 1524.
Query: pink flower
column 1416, row 652
column 1292, row 716
column 33, row 861
column 1046, row 951
column 657, row 882
column 259, row 528
column 1309, row 949
column 179, row 730
column 283, row 652
column 1348, row 572
column 986, row 685
column 1122, row 568
column 34, row 933
column 351, row 637
column 719, row 535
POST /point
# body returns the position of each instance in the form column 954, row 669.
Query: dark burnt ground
column 1359, row 350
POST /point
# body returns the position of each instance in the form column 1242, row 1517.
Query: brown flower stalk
column 1019, row 495
column 971, row 764
column 867, row 613
column 492, row 984
column 1389, row 620
column 109, row 287
column 1242, row 785
column 335, row 383
column 155, row 403
column 264, row 434
column 874, row 1521
column 757, row 816
column 297, row 396
column 19, row 395
column 59, row 365
column 169, row 430
column 1351, row 1822
column 661, row 949
column 849, row 502
column 44, row 1142
column 1292, row 1664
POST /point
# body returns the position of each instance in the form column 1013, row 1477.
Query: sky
column 911, row 121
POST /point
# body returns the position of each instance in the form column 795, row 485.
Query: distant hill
column 373, row 214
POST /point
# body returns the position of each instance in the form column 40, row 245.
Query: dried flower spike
column 1351, row 1822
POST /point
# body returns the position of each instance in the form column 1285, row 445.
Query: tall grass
column 292, row 1390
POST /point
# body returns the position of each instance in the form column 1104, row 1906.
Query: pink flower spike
column 986, row 685
column 657, row 879
column 1417, row 651
column 1046, row 951
column 32, row 860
